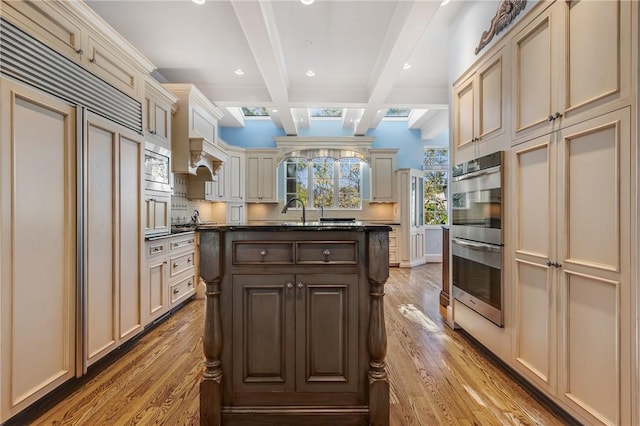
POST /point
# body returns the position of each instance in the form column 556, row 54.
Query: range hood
column 205, row 155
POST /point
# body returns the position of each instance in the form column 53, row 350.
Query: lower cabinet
column 236, row 213
column 171, row 272
column 295, row 333
column 394, row 256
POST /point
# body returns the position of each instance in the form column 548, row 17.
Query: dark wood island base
column 294, row 325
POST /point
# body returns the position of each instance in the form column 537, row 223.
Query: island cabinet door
column 326, row 332
column 263, row 333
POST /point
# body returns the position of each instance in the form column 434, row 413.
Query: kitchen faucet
column 288, row 204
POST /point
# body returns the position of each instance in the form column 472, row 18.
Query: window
column 436, row 165
column 325, row 182
column 255, row 112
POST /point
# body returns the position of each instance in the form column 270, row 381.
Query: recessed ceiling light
column 199, row 1
column 274, row 110
column 307, row 2
column 238, row 71
column 406, row 66
column 310, row 73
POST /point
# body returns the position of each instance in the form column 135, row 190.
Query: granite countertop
column 299, row 226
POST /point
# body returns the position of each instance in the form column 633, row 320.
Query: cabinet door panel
column 101, row 292
column 263, row 333
column 326, row 333
column 535, row 321
column 465, row 118
column 532, row 75
column 37, row 171
column 594, row 66
column 162, row 118
column 130, row 236
column 491, row 105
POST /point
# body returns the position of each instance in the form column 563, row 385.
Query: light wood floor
column 437, row 376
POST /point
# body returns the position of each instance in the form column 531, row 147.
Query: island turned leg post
column 211, row 384
column 377, row 338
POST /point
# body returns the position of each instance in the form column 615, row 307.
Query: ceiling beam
column 409, row 22
column 259, row 26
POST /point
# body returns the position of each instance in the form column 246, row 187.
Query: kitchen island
column 294, row 325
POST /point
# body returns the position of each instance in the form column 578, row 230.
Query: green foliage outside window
column 334, row 184
column 436, row 164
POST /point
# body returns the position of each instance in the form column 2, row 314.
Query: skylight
column 398, row 112
column 325, row 112
column 255, row 112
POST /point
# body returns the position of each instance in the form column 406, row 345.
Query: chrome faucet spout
column 299, row 201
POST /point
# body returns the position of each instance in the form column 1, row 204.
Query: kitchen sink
column 337, row 219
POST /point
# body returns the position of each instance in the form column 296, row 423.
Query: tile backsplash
column 181, row 207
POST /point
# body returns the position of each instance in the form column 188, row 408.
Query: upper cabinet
column 194, row 133
column 572, row 62
column 479, row 105
column 235, row 175
column 75, row 31
column 157, row 113
column 262, row 166
column 383, row 166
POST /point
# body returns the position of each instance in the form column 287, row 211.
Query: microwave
column 157, row 168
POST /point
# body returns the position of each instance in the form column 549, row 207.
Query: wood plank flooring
column 438, row 377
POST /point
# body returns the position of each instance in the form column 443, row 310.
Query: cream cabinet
column 155, row 291
column 479, row 106
column 236, row 213
column 262, row 166
column 182, row 268
column 114, row 234
column 171, row 269
column 383, row 166
column 194, row 133
column 157, row 212
column 60, row 26
column 570, row 63
column 38, row 244
column 572, row 266
column 235, row 175
column 157, row 113
column 410, row 213
column 394, row 236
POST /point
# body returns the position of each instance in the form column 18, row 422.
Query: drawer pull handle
column 92, row 60
column 289, row 285
column 300, row 285
column 263, row 252
column 175, row 291
column 189, row 260
column 175, row 264
column 174, row 245
column 326, row 252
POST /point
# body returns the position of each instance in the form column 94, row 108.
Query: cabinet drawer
column 182, row 289
column 182, row 243
column 327, row 252
column 156, row 249
column 181, row 263
column 393, row 240
column 255, row 252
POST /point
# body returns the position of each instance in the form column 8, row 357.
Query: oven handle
column 477, row 246
column 489, row 171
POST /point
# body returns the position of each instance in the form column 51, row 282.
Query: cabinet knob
column 326, row 252
column 175, row 264
column 164, row 263
column 190, row 283
column 300, row 285
column 175, row 291
column 289, row 285
column 263, row 252
column 189, row 260
column 92, row 60
column 550, row 117
column 549, row 263
column 80, row 52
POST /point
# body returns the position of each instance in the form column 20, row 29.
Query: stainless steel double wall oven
column 476, row 235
